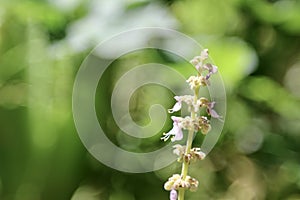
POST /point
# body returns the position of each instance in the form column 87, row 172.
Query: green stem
column 181, row 194
column 185, row 165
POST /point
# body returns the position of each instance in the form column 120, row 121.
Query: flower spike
column 195, row 122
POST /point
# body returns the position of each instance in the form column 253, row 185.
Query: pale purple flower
column 212, row 69
column 211, row 111
column 199, row 67
column 200, row 64
column 173, row 195
column 175, row 132
column 199, row 59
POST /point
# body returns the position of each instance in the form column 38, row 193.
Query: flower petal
column 214, row 69
column 173, row 195
column 213, row 113
column 176, row 119
column 194, row 61
column 178, row 134
column 204, row 54
column 198, row 67
column 175, row 108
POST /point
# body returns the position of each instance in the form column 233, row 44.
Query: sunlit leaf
column 207, row 17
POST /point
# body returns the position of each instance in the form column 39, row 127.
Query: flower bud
column 173, row 195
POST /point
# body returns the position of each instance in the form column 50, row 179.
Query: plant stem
column 181, row 194
column 185, row 164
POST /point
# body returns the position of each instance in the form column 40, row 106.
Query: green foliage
column 255, row 43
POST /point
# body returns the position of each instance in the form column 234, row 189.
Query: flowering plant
column 178, row 183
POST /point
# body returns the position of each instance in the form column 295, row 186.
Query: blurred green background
column 255, row 43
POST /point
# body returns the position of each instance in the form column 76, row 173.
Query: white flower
column 189, row 123
column 179, row 150
column 176, row 131
column 189, row 100
column 204, row 54
column 177, row 105
column 204, row 125
column 197, row 153
column 197, row 81
column 176, row 182
column 169, row 185
column 194, row 154
column 200, row 65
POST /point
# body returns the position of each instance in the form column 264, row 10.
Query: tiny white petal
column 204, row 54
column 175, row 108
column 177, row 98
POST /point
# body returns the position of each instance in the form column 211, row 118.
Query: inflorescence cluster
column 178, row 183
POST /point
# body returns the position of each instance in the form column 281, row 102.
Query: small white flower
column 179, row 150
column 204, row 125
column 188, row 123
column 169, row 185
column 197, row 81
column 204, row 54
column 175, row 132
column 190, row 102
column 197, row 153
column 177, row 105
column 176, row 182
column 200, row 64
